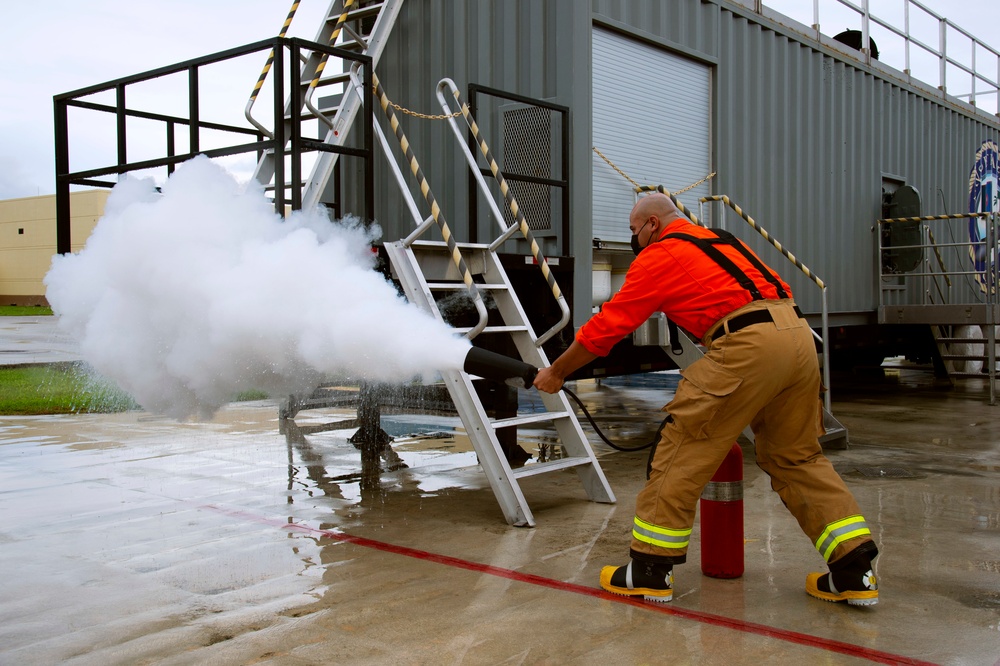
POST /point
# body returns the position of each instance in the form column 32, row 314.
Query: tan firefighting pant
column 765, row 375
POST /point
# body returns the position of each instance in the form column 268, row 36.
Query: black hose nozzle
column 500, row 368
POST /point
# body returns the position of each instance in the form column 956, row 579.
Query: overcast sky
column 73, row 44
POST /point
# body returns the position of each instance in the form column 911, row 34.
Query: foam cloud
column 189, row 296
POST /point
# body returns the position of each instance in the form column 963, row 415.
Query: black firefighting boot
column 850, row 579
column 652, row 580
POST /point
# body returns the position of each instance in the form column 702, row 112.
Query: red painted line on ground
column 827, row 644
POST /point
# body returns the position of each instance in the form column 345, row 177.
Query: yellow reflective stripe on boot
column 840, row 531
column 660, row 536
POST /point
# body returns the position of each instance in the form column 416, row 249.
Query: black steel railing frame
column 289, row 135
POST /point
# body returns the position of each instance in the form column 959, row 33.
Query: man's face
column 642, row 228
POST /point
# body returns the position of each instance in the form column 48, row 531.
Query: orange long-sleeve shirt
column 676, row 277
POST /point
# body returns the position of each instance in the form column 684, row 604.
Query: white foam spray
column 188, row 297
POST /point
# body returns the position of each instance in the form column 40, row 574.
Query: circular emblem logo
column 984, row 197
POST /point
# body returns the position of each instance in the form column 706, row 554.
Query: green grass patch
column 59, row 388
column 69, row 388
column 24, row 311
column 250, row 396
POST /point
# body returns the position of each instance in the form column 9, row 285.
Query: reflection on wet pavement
column 131, row 538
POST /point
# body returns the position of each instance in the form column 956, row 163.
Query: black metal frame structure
column 289, row 134
column 562, row 183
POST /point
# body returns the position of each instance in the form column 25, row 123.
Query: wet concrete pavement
column 134, row 539
column 27, row 340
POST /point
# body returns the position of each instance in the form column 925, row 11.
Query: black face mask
column 635, row 245
column 635, row 242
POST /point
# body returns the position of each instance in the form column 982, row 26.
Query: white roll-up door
column 652, row 118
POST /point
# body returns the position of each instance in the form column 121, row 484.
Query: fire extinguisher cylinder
column 722, row 519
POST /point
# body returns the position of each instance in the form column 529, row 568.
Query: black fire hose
column 516, row 373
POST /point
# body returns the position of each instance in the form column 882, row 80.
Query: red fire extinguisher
column 722, row 519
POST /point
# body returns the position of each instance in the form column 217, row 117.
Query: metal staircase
column 360, row 26
column 429, row 269
column 425, row 270
column 950, row 287
column 964, row 356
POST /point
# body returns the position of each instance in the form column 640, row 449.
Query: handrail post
column 121, row 127
column 194, row 117
column 278, row 140
column 295, row 90
column 991, row 299
column 520, row 222
column 368, row 100
column 64, row 241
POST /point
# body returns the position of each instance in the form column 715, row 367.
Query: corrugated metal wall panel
column 804, row 139
column 502, row 45
column 692, row 24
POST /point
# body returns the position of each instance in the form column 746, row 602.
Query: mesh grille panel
column 527, row 151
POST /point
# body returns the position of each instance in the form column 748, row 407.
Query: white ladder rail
column 349, row 107
column 339, row 126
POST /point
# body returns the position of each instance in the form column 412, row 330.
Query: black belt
column 749, row 319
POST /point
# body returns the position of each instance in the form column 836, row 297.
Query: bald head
column 657, row 204
column 652, row 213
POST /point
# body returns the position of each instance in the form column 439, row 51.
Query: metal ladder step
column 441, row 245
column 538, row 417
column 494, row 329
column 366, row 11
column 550, row 466
column 332, row 79
column 460, row 286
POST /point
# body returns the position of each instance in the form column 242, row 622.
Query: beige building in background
column 28, row 241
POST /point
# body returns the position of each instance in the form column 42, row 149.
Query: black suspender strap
column 707, row 245
column 754, row 261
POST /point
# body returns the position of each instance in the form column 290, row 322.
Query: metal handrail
column 437, row 215
column 67, row 177
column 520, row 223
column 930, row 243
column 264, row 72
column 989, row 273
column 941, row 53
column 307, row 99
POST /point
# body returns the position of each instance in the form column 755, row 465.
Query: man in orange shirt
column 759, row 369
